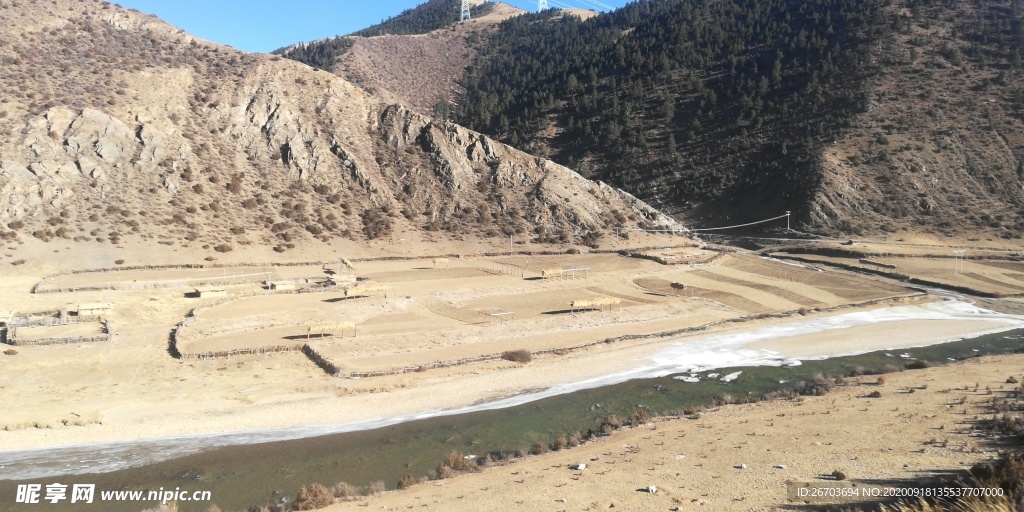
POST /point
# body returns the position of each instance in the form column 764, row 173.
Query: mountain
column 856, row 115
column 859, row 116
column 118, row 127
column 416, row 58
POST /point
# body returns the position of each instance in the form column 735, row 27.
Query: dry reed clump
column 560, row 443
column 345, row 491
column 1005, row 473
column 313, row 497
column 819, row 385
column 406, row 482
column 919, row 364
column 640, row 417
column 518, row 356
column 610, row 424
column 890, row 368
column 456, row 463
column 375, row 488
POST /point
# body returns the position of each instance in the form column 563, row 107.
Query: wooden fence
column 273, row 349
column 10, row 333
column 321, row 361
column 57, row 341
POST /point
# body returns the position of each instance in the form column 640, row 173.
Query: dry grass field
column 996, row 277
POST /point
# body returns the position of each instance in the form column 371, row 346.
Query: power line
column 786, row 215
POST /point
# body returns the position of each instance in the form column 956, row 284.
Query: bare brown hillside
column 419, row 71
column 941, row 148
column 117, row 126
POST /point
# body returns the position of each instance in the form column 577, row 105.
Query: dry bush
column 345, row 490
column 518, row 356
column 223, row 248
column 919, row 365
column 839, row 475
column 875, row 394
column 10, row 352
column 610, row 424
column 455, row 462
column 406, row 482
column 640, row 417
column 560, row 443
column 313, row 497
column 376, row 487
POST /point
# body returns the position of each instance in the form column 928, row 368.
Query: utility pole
column 958, row 260
column 787, row 220
column 542, row 5
column 464, row 13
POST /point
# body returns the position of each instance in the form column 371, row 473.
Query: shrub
column 560, row 443
column 518, row 356
column 610, row 423
column 376, row 487
column 454, row 462
column 875, row 394
column 406, row 482
column 640, row 417
column 880, row 381
column 10, row 352
column 344, row 490
column 375, row 224
column 1011, row 380
column 839, row 475
column 313, row 497
column 118, row 262
column 1007, row 472
column 223, row 248
column 919, row 365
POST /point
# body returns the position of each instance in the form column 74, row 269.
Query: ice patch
column 731, row 377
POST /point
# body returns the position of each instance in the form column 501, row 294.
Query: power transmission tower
column 465, row 11
column 542, row 5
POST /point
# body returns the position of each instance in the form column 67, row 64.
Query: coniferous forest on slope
column 728, row 109
column 682, row 102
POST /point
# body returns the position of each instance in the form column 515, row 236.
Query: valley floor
column 130, row 388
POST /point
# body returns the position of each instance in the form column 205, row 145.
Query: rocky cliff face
column 126, row 127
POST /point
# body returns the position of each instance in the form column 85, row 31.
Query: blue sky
column 265, row 25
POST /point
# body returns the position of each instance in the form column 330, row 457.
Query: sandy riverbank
column 921, row 425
